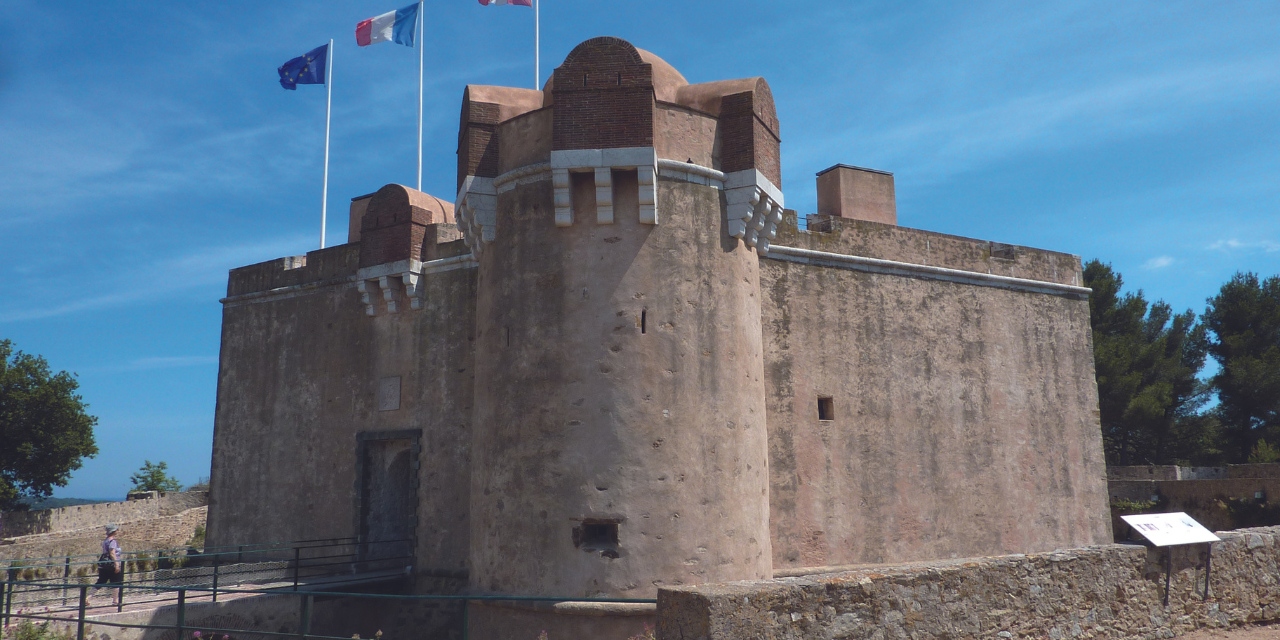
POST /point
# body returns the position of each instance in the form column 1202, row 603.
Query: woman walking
column 111, row 565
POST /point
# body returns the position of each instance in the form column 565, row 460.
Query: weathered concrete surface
column 566, row 620
column 965, row 417
column 583, row 415
column 1109, row 591
column 298, row 380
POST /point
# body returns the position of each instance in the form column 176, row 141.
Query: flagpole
column 328, row 109
column 537, row 45
column 421, row 45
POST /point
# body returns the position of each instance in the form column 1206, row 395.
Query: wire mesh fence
column 153, row 575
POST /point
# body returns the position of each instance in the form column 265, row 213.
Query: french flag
column 522, row 3
column 393, row 26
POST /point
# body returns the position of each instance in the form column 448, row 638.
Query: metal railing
column 305, row 605
column 156, row 572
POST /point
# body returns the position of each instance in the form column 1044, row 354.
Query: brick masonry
column 1108, row 591
column 604, row 97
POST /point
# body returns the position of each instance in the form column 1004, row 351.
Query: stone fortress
column 616, row 362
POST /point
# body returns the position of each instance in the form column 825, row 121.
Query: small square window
column 826, row 408
column 597, row 535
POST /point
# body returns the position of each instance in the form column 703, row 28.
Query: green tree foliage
column 45, row 431
column 154, row 477
column 1244, row 319
column 1146, row 360
column 1264, row 453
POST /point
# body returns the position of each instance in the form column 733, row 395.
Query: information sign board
column 1168, row 529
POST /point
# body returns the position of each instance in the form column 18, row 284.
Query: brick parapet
column 323, row 264
column 751, row 136
column 603, row 97
column 1109, row 591
column 891, row 242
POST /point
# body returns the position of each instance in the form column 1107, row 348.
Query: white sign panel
column 1167, row 529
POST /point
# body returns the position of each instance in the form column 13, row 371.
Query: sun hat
column 112, row 528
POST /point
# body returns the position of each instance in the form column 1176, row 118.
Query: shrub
column 29, row 630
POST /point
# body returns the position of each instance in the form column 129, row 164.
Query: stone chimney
column 853, row 192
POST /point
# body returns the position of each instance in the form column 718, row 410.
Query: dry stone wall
column 165, row 532
column 1109, row 591
column 27, row 523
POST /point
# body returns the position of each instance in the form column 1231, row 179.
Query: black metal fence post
column 304, row 617
column 8, row 599
column 182, row 612
column 297, row 559
column 66, row 578
column 215, row 578
column 84, row 601
column 240, row 554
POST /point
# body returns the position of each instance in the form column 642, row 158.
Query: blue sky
column 146, row 148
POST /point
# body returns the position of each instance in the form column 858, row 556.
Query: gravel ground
column 1256, row 632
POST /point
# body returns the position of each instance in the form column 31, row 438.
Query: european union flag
column 305, row 69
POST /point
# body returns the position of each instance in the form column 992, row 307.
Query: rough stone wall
column 1109, row 591
column 298, row 379
column 26, row 523
column 964, row 419
column 163, row 532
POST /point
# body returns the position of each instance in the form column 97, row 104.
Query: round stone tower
column 619, row 439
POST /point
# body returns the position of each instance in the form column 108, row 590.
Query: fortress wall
column 964, row 416
column 686, row 135
column 903, row 244
column 1109, row 591
column 299, row 378
column 524, row 140
column 619, row 383
column 26, row 523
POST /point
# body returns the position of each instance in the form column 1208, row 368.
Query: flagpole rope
column 328, row 109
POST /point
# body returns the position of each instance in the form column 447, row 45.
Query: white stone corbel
column 604, row 195
column 563, row 197
column 601, row 162
column 365, row 297
column 754, row 208
column 388, row 293
column 410, row 281
column 390, row 278
column 476, row 212
column 648, row 199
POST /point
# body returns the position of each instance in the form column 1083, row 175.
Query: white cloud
column 163, row 278
column 1236, row 245
column 1158, row 263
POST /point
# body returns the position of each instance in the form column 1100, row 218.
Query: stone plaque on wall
column 389, row 394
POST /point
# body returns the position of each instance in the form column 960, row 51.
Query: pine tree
column 1244, row 320
column 1146, row 361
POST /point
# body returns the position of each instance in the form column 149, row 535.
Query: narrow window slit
column 508, row 336
column 826, row 408
column 643, row 314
